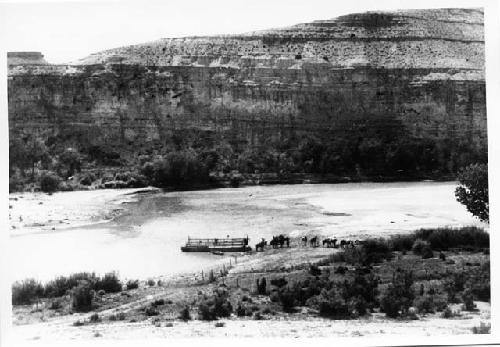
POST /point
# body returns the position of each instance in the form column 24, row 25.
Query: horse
column 260, row 245
column 274, row 242
column 304, row 241
column 314, row 241
column 329, row 242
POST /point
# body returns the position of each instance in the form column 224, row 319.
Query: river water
column 145, row 240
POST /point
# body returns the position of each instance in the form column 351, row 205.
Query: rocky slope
column 421, row 68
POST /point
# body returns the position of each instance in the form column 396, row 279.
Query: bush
column 26, row 292
column 216, row 306
column 468, row 300
column 185, row 314
column 314, row 270
column 449, row 313
column 132, row 284
column 399, row 295
column 402, row 242
column 49, row 182
column 151, row 311
column 331, row 304
column 62, row 285
column 151, row 283
column 261, row 286
column 419, row 246
column 430, row 303
column 375, row 251
column 55, row 305
column 442, row 239
column 82, row 297
column 287, row 298
column 94, row 318
column 110, row 283
column 279, row 282
column 242, row 310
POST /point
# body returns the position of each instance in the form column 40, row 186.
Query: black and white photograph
column 254, row 169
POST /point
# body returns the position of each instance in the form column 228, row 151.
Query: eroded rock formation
column 423, row 68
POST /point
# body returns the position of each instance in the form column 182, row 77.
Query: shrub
column 449, row 313
column 445, row 238
column 25, row 292
column 258, row 316
column 468, row 300
column 132, row 284
column 430, row 303
column 261, row 286
column 49, row 182
column 242, row 310
column 375, row 251
column 279, row 282
column 151, row 283
column 82, row 297
column 314, row 270
column 151, row 311
column 419, row 246
column 427, row 253
column 399, row 295
column 94, row 318
column 87, row 179
column 159, row 302
column 331, row 304
column 363, row 287
column 287, row 298
column 216, row 306
column 62, row 285
column 109, row 283
column 402, row 242
column 55, row 305
column 185, row 314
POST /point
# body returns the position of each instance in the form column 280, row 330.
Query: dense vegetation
column 401, row 292
column 363, row 148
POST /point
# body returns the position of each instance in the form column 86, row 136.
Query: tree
column 473, row 190
column 36, row 151
column 70, row 158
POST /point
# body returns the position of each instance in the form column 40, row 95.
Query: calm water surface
column 145, row 241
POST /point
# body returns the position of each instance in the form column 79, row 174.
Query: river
column 145, row 240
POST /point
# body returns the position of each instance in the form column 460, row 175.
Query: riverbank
column 32, row 212
column 155, row 307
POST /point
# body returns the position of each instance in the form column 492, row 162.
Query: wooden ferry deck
column 216, row 245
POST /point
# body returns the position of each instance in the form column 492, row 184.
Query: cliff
column 421, row 69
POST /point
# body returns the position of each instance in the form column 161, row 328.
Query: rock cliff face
column 423, row 68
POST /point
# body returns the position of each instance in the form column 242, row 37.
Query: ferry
column 217, row 246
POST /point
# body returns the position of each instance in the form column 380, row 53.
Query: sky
column 65, row 31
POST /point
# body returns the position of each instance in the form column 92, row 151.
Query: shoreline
column 265, row 179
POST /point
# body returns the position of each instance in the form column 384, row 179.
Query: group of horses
column 276, row 242
column 281, row 240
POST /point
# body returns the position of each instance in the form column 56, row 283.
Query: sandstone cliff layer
column 422, row 68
